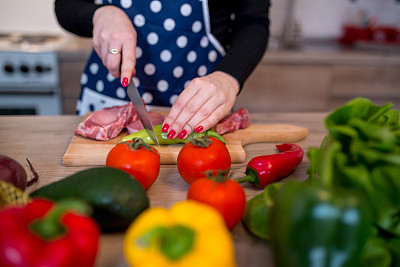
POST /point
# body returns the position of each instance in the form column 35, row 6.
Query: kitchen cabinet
column 321, row 81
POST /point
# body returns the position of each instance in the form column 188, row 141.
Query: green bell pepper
column 163, row 139
column 256, row 214
column 313, row 226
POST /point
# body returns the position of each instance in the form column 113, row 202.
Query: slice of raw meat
column 238, row 119
column 136, row 125
column 107, row 123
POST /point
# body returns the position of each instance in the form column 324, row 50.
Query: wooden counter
column 44, row 139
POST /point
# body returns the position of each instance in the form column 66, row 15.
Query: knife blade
column 144, row 117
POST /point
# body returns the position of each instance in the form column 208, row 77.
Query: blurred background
column 321, row 54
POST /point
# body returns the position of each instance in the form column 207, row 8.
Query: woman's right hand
column 113, row 29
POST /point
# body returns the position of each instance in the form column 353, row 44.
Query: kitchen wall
column 315, row 18
column 28, row 16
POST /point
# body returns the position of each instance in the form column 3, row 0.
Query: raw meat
column 134, row 126
column 238, row 119
column 107, row 123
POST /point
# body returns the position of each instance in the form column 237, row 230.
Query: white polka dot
column 181, row 41
column 136, row 81
column 196, row 27
column 212, row 56
column 120, row 92
column 152, row 38
column 202, row 70
column 186, row 84
column 126, row 3
column 139, row 20
column 155, row 6
column 147, row 97
column 169, row 24
column 186, row 10
column 139, row 52
column 110, row 78
column 94, row 68
column 191, row 56
column 149, row 69
column 84, row 78
column 162, row 85
column 204, row 41
column 165, row 55
column 172, row 99
column 177, row 72
column 233, row 16
column 100, row 86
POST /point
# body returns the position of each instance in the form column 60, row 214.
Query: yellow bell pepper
column 188, row 234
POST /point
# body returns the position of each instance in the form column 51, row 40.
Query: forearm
column 76, row 16
column 249, row 42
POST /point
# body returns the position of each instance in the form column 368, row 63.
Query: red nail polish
column 182, row 134
column 165, row 128
column 134, row 73
column 198, row 129
column 125, row 82
column 171, row 134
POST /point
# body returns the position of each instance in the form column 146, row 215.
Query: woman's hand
column 112, row 29
column 203, row 103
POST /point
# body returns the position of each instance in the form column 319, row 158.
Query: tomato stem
column 203, row 141
column 218, row 176
column 136, row 143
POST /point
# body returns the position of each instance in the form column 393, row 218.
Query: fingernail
column 182, row 134
column 134, row 73
column 125, row 82
column 165, row 128
column 171, row 134
column 198, row 129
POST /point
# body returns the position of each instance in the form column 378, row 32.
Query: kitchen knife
column 144, row 117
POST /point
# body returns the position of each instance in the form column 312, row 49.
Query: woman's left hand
column 202, row 104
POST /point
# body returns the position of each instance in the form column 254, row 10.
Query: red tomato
column 194, row 161
column 143, row 163
column 227, row 197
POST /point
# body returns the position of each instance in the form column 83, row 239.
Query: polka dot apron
column 174, row 45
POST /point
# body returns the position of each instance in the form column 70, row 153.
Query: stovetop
column 32, row 42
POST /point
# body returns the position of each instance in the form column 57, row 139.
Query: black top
column 241, row 26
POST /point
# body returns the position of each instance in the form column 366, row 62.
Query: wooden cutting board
column 83, row 151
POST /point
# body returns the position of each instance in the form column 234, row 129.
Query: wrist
column 232, row 81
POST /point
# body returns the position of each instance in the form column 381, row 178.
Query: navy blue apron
column 174, row 45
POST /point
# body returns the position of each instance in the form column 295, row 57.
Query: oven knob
column 39, row 69
column 9, row 68
column 24, row 68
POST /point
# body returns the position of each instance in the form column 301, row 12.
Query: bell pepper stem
column 50, row 227
column 175, row 242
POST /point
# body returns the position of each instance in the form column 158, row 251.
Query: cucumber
column 115, row 196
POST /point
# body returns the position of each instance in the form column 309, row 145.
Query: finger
column 113, row 61
column 189, row 111
column 178, row 106
column 207, row 116
column 128, row 61
column 188, row 108
column 209, row 121
column 186, row 118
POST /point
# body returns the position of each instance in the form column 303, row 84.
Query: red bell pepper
column 266, row 169
column 43, row 233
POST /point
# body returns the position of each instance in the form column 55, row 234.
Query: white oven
column 29, row 76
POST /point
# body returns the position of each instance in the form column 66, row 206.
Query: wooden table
column 44, row 139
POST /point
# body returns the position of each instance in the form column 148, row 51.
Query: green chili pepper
column 163, row 139
column 311, row 225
